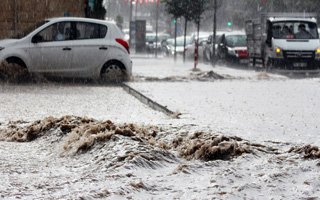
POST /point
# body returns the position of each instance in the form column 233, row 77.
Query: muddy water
column 83, row 158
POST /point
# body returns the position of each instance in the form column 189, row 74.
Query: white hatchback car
column 71, row 47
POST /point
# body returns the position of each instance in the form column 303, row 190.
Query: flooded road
column 240, row 135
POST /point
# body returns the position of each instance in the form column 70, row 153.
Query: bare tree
column 175, row 8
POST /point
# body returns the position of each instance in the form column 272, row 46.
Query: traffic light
column 174, row 20
column 229, row 24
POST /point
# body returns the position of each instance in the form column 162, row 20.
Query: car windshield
column 295, row 30
column 152, row 38
column 236, row 40
column 27, row 31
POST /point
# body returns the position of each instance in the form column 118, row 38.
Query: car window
column 86, row 30
column 55, row 32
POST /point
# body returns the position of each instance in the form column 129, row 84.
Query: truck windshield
column 294, row 30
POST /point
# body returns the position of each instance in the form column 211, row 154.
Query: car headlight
column 231, row 51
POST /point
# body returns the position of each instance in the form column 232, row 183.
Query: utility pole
column 175, row 39
column 130, row 19
column 157, row 21
column 136, row 11
column 213, row 58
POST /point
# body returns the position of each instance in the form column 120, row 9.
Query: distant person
column 286, row 33
column 302, row 32
column 276, row 31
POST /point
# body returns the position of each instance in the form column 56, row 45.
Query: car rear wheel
column 113, row 73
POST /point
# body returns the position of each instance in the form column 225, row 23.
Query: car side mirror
column 37, row 39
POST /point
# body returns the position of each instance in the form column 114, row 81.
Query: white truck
column 284, row 42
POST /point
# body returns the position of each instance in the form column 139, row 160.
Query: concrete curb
column 149, row 102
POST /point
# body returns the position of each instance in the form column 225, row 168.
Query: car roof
column 82, row 19
column 235, row 33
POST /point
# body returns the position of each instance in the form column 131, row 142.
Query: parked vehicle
column 85, row 48
column 152, row 43
column 207, row 48
column 284, row 41
column 233, row 47
column 126, row 33
column 190, row 48
column 168, row 45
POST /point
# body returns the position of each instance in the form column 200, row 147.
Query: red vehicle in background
column 232, row 47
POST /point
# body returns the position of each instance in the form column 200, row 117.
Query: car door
column 90, row 49
column 50, row 52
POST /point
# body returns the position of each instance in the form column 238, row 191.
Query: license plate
column 299, row 64
column 244, row 61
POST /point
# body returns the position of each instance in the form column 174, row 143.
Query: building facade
column 18, row 15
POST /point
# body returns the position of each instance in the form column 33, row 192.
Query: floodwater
column 241, row 135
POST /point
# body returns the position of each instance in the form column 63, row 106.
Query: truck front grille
column 299, row 54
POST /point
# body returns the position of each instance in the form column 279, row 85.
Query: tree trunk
column 175, row 40
column 214, row 36
column 196, row 53
column 185, row 40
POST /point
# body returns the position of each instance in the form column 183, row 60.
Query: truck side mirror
column 268, row 42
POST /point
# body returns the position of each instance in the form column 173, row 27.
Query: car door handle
column 103, row 48
column 66, row 49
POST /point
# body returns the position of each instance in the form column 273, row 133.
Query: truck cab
column 292, row 43
column 284, row 41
